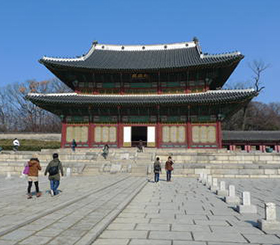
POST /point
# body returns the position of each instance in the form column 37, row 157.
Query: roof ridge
column 118, row 47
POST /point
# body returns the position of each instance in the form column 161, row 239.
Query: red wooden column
column 119, row 127
column 247, row 148
column 219, row 134
column 63, row 135
column 189, row 126
column 189, row 134
column 276, row 148
column 119, row 135
column 158, row 126
column 90, row 134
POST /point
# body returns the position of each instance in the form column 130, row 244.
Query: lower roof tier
column 214, row 97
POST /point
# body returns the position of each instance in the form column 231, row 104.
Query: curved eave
column 213, row 63
column 209, row 98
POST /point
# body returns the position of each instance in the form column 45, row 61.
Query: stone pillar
column 214, row 186
column 200, row 177
column 247, row 207
column 209, row 181
column 9, row 176
column 68, row 172
column 232, row 198
column 222, row 191
column 269, row 224
column 204, row 179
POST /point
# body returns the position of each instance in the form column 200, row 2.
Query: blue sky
column 66, row 28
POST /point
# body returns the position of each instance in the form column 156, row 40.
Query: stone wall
column 34, row 136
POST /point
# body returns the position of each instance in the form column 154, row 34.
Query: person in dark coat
column 169, row 168
column 53, row 168
column 140, row 146
column 105, row 152
column 73, row 145
column 157, row 169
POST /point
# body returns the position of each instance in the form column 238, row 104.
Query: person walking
column 157, row 169
column 34, row 167
column 16, row 144
column 169, row 168
column 73, row 145
column 105, row 150
column 53, row 168
column 140, row 146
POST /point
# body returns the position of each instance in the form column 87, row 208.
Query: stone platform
column 219, row 163
column 125, row 210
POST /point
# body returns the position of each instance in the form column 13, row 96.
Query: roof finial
column 95, row 42
column 195, row 40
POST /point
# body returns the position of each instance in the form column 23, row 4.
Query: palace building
column 166, row 95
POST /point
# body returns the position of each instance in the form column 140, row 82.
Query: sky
column 66, row 28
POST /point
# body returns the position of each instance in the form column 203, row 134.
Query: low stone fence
column 31, row 136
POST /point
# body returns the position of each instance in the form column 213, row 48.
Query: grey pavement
column 120, row 209
column 186, row 212
column 75, row 216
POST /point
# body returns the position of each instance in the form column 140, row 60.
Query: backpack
column 53, row 170
column 157, row 168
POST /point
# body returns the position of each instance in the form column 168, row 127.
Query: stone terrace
column 218, row 163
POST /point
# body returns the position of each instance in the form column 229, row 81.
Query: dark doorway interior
column 137, row 134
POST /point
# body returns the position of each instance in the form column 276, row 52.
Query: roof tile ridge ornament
column 228, row 54
column 197, row 45
column 231, row 90
column 145, row 47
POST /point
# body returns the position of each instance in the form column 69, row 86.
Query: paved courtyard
column 134, row 211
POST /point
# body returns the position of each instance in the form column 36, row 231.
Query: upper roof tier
column 144, row 57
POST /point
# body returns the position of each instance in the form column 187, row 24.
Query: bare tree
column 19, row 114
column 258, row 67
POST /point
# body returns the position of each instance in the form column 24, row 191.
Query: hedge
column 29, row 145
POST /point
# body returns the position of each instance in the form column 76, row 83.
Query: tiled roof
column 143, row 57
column 209, row 97
column 252, row 136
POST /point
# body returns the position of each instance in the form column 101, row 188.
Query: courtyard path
column 120, row 209
column 185, row 212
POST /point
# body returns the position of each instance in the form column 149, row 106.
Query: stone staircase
column 218, row 163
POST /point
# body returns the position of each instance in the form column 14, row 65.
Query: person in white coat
column 16, row 144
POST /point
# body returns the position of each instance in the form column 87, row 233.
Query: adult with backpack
column 157, row 169
column 53, row 169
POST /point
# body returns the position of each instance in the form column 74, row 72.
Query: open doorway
column 138, row 133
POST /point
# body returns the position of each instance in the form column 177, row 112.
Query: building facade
column 166, row 95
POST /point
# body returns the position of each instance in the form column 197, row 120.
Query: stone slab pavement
column 75, row 216
column 185, row 212
column 120, row 209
